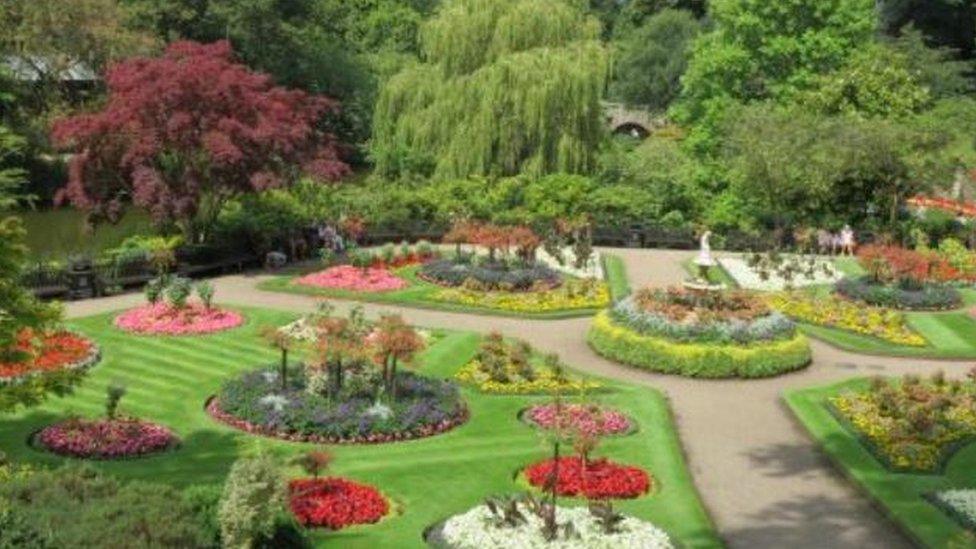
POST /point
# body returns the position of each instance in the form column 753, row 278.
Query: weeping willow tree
column 504, row 87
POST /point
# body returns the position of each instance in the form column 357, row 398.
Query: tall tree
column 505, row 86
column 183, row 133
column 652, row 58
column 762, row 50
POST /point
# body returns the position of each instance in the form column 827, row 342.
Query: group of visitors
column 840, row 243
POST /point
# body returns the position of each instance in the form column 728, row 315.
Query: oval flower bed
column 105, row 438
column 347, row 277
column 599, row 479
column 587, row 419
column 255, row 402
column 335, row 503
column 51, row 352
column 166, row 319
column 477, row 529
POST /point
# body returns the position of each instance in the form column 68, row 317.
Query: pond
column 59, row 233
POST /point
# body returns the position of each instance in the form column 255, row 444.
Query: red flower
column 600, row 479
column 335, row 502
column 49, row 352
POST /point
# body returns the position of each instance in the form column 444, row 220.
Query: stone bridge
column 630, row 120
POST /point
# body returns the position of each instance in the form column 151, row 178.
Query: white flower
column 748, row 278
column 475, row 529
column 380, row 411
column 277, row 402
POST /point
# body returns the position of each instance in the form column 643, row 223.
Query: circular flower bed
column 166, row 319
column 598, row 479
column 105, row 438
column 55, row 351
column 255, row 402
column 347, row 277
column 335, row 503
column 921, row 296
column 589, row 420
column 476, row 529
column 679, row 316
column 485, row 275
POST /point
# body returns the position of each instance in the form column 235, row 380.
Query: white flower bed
column 961, row 502
column 476, row 530
column 748, row 278
column 592, row 269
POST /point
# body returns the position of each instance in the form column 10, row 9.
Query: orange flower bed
column 48, row 352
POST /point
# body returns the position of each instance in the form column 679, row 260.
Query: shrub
column 624, row 345
column 76, row 506
column 206, row 292
column 254, row 495
column 922, row 297
column 178, row 292
column 155, row 289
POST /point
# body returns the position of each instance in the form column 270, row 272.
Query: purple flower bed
column 105, row 438
column 255, row 402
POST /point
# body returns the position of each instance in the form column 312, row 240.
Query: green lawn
column 616, row 273
column 716, row 275
column 900, row 496
column 419, row 294
column 169, row 379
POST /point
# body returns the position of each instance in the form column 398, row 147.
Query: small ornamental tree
column 396, row 342
column 183, row 133
column 282, row 341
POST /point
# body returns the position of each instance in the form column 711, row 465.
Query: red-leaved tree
column 183, row 133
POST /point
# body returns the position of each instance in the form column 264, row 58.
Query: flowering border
column 213, row 409
column 627, row 479
column 94, row 357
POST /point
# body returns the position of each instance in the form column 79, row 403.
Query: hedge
column 696, row 360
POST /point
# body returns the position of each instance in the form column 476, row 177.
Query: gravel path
column 762, row 479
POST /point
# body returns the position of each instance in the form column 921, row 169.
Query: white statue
column 705, row 258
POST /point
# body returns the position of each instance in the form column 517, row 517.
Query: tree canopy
column 182, row 133
column 505, row 87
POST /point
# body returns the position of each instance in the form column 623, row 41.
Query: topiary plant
column 178, row 292
column 206, row 292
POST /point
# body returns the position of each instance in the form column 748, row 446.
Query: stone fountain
column 704, row 262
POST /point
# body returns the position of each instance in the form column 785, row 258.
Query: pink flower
column 105, row 438
column 164, row 319
column 347, row 277
column 591, row 420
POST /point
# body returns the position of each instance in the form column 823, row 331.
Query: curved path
column 763, row 480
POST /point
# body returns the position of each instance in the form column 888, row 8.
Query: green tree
column 506, row 87
column 877, row 81
column 652, row 57
column 761, row 146
column 254, row 495
column 761, row 50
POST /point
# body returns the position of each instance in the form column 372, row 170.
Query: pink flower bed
column 105, row 438
column 347, row 277
column 592, row 420
column 164, row 319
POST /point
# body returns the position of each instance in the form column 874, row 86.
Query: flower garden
column 492, row 268
column 394, row 437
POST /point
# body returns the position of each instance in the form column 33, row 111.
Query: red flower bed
column 49, row 352
column 600, row 479
column 105, row 438
column 892, row 263
column 335, row 502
